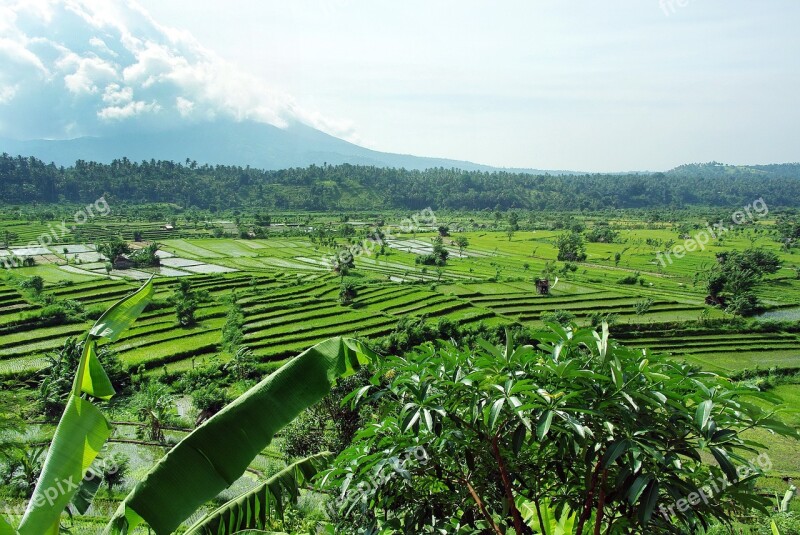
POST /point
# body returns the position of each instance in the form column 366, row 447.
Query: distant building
column 542, row 286
column 167, row 227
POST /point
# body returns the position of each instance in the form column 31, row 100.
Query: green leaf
column 489, row 348
column 613, row 452
column 83, row 429
column 703, row 413
column 725, row 463
column 787, row 498
column 95, row 381
column 494, row 412
column 774, row 527
column 78, row 439
column 123, row 313
column 637, row 487
column 85, row 495
column 545, row 420
column 509, row 350
column 723, row 436
column 609, row 427
column 519, row 438
column 779, row 427
column 602, row 341
column 410, row 419
column 616, row 374
column 217, row 453
column 252, row 509
column 648, row 503
column 5, row 528
column 428, row 419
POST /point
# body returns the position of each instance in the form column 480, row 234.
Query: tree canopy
column 326, row 187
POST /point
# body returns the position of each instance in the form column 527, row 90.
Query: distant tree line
column 29, row 180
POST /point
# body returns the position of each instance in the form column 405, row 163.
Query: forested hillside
column 24, row 180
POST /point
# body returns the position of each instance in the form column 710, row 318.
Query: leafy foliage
column 737, row 273
column 570, row 247
column 204, row 463
column 643, row 306
column 146, row 256
column 438, row 256
column 187, row 300
column 347, row 291
column 35, row 284
column 232, row 334
column 154, row 406
column 254, row 509
column 350, row 186
column 616, row 436
column 83, row 429
column 601, row 233
column 57, row 378
column 562, row 317
column 210, row 399
column 115, row 468
column 242, row 365
column 328, row 425
column 113, row 248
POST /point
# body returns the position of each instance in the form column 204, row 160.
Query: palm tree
column 115, row 468
column 155, row 405
column 241, row 365
column 28, row 469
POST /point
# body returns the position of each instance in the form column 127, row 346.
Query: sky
column 581, row 85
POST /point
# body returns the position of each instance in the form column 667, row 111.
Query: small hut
column 543, row 286
column 122, row 262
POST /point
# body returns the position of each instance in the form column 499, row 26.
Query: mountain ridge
column 245, row 143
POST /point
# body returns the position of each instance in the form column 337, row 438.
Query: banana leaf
column 86, row 492
column 254, row 508
column 5, row 528
column 217, row 453
column 83, row 429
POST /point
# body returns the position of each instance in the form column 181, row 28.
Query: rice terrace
column 223, row 310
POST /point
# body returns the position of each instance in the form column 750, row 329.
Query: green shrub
column 596, row 319
column 35, row 283
column 642, row 307
column 562, row 317
column 210, row 399
column 499, row 430
column 630, row 279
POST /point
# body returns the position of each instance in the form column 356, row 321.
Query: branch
column 507, row 484
column 601, row 502
column 481, row 506
column 587, row 508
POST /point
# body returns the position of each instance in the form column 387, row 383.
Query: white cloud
column 92, row 56
column 116, row 95
column 102, row 46
column 7, row 93
column 88, row 73
column 184, row 106
column 15, row 52
column 131, row 109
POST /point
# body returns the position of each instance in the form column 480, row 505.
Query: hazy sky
column 588, row 85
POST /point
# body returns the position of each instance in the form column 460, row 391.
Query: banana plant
column 253, row 509
column 83, row 429
column 213, row 456
column 544, row 519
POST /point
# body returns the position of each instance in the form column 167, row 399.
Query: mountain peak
column 225, row 142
